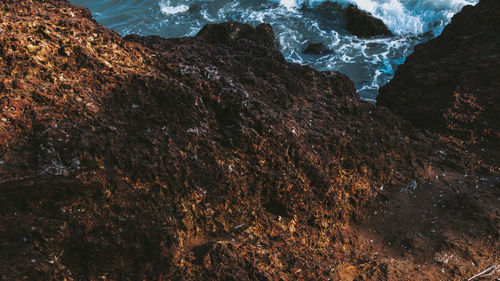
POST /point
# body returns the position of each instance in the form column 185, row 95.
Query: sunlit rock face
column 205, row 157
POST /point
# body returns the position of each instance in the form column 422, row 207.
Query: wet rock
column 317, row 49
column 329, row 7
column 326, row 9
column 363, row 24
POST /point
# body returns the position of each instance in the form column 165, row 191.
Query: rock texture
column 317, row 49
column 232, row 32
column 364, row 24
column 350, row 17
column 212, row 158
column 451, row 84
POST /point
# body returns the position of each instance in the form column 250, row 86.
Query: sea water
column 369, row 62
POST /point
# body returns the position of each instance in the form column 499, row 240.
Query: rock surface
column 364, row 24
column 231, row 32
column 350, row 17
column 213, row 158
column 450, row 85
column 317, row 49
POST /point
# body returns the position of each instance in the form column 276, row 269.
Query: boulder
column 329, row 10
column 230, row 32
column 317, row 49
column 364, row 24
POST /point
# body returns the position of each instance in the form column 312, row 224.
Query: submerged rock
column 353, row 19
column 329, row 10
column 317, row 49
column 363, row 24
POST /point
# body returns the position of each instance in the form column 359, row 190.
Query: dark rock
column 329, row 7
column 230, row 32
column 317, row 49
column 363, row 24
column 277, row 209
column 450, row 84
column 326, row 10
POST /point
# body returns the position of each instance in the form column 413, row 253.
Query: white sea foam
column 167, row 9
column 370, row 62
column 406, row 16
column 289, row 5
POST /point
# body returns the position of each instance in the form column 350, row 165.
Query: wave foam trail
column 408, row 16
column 167, row 9
column 289, row 5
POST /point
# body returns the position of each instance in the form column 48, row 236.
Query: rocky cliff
column 450, row 85
column 212, row 158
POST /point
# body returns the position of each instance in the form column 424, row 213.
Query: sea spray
column 407, row 16
column 167, row 9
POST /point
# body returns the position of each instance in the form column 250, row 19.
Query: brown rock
column 152, row 159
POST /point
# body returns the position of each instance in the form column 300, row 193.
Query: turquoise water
column 370, row 63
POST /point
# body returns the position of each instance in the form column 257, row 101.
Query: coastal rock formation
column 363, row 24
column 231, row 32
column 449, row 85
column 326, row 9
column 317, row 49
column 205, row 158
column 355, row 20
